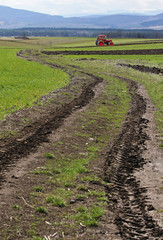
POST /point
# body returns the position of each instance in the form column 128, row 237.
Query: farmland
column 23, row 82
column 80, row 136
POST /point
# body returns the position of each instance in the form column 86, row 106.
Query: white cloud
column 78, row 7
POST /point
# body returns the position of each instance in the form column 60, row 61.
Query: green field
column 23, row 82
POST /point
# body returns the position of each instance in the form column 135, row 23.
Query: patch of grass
column 91, row 178
column 56, row 201
column 45, row 172
column 83, row 169
column 49, row 155
column 89, row 216
column 41, row 209
column 55, row 171
column 100, row 195
column 96, row 193
column 81, row 209
column 82, row 188
column 81, row 196
column 102, row 199
column 70, row 169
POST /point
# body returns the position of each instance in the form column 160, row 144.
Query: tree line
column 82, row 32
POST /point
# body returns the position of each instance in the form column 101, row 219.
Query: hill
column 15, row 18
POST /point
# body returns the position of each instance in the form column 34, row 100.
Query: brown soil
column 131, row 212
column 109, row 52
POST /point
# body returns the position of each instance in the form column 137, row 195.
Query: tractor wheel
column 101, row 43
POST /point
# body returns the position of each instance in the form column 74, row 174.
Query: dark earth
column 109, row 52
column 143, row 68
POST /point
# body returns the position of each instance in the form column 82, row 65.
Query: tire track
column 38, row 131
column 127, row 199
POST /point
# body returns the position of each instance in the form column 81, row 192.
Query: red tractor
column 102, row 39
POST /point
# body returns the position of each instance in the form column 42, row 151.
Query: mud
column 143, row 68
column 128, row 199
column 109, row 52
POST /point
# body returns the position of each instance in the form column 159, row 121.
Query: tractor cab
column 101, row 37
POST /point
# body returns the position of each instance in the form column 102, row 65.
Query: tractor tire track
column 127, row 199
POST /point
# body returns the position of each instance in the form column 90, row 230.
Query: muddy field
column 131, row 211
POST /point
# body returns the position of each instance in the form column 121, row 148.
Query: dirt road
column 132, row 212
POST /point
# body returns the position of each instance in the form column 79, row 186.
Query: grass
column 22, row 83
column 89, row 216
column 41, row 209
column 149, row 60
column 49, row 155
column 56, row 201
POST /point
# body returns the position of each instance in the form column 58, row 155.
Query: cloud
column 79, row 7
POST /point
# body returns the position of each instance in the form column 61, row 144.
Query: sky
column 86, row 7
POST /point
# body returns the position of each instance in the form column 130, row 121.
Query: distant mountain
column 14, row 18
column 154, row 22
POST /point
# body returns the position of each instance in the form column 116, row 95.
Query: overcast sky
column 84, row 7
